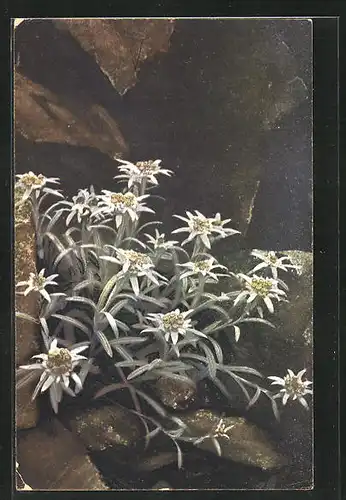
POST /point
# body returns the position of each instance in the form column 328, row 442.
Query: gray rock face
column 290, row 345
column 43, row 116
column 106, row 427
column 239, row 441
column 119, row 46
column 210, row 106
column 238, row 81
column 175, row 395
column 27, row 332
column 51, row 458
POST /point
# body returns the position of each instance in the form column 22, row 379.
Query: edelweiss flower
column 173, row 324
column 200, row 226
column 293, row 387
column 142, row 170
column 202, row 267
column 271, row 260
column 120, row 204
column 38, row 283
column 82, row 205
column 135, row 264
column 57, row 368
column 220, row 430
column 259, row 290
column 218, row 227
column 31, row 182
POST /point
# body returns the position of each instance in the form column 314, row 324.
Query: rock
column 295, row 437
column 290, row 344
column 119, row 46
column 42, row 116
column 295, row 317
column 27, row 411
column 246, row 443
column 174, row 394
column 27, row 332
column 207, row 107
column 237, row 80
column 106, row 427
column 25, row 263
column 52, row 458
column 271, row 352
column 157, row 461
column 294, row 349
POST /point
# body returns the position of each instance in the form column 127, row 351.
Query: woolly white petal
column 79, row 349
column 174, row 336
column 205, row 240
column 285, row 398
column 54, row 344
column 77, row 381
column 269, row 304
column 48, row 383
column 134, row 284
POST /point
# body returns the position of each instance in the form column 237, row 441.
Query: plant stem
column 200, row 290
column 121, row 231
column 143, row 186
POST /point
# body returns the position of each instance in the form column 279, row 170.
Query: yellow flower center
column 201, row 225
column 261, row 286
column 59, row 361
column 137, row 258
column 38, row 281
column 147, row 167
column 127, row 199
column 30, row 180
column 202, row 265
column 293, row 385
column 173, row 321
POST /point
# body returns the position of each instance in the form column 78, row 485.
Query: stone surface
column 246, row 443
column 227, row 107
column 42, row 116
column 290, row 345
column 27, row 411
column 213, row 125
column 106, row 427
column 295, row 351
column 296, row 316
column 174, row 394
column 25, row 263
column 52, row 458
column 27, row 332
column 119, row 46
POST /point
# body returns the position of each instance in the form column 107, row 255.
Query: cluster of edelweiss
column 142, row 299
